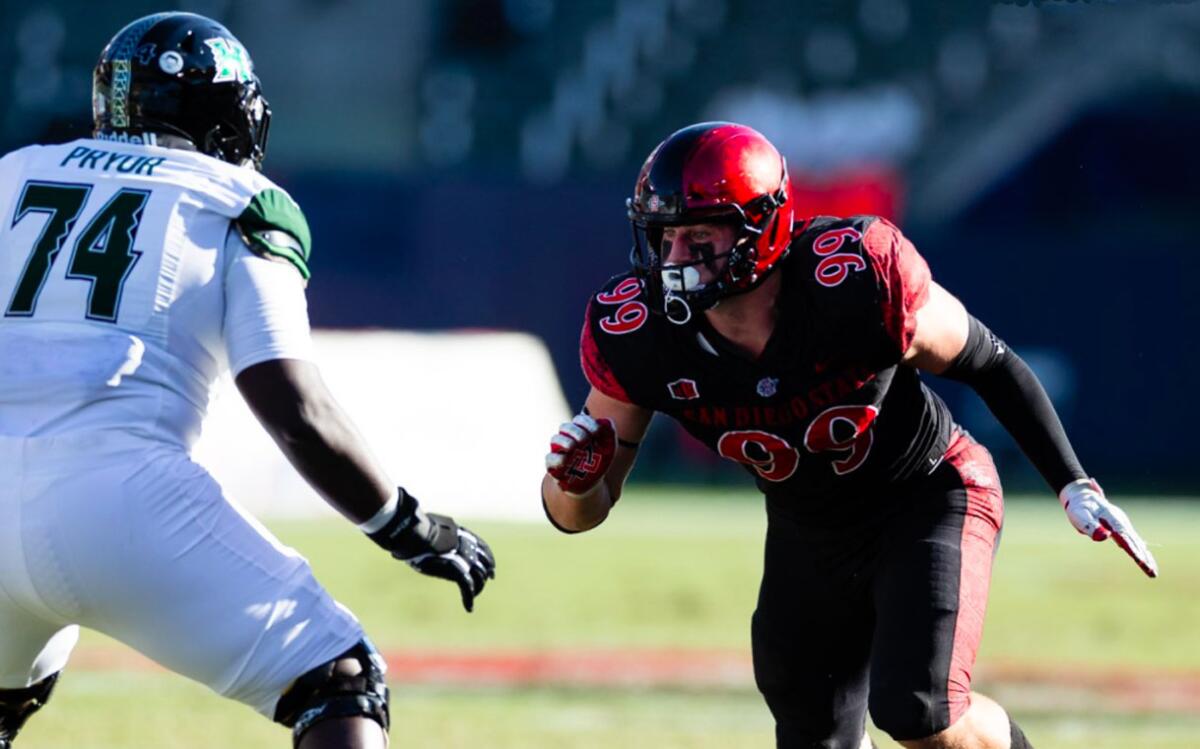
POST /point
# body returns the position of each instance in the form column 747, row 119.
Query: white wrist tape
column 381, row 518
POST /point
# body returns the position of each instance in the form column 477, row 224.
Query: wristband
column 407, row 532
column 381, row 518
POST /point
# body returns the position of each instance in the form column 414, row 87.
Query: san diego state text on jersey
column 826, row 410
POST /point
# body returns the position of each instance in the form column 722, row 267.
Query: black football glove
column 437, row 546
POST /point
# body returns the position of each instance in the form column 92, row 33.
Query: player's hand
column 437, row 546
column 455, row 554
column 581, row 453
column 1098, row 519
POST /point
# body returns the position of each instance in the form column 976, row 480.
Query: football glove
column 581, row 453
column 1098, row 519
column 437, row 546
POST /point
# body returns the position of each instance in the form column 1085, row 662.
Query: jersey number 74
column 103, row 252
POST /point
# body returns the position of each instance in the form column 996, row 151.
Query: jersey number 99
column 630, row 315
column 835, row 266
column 843, row 428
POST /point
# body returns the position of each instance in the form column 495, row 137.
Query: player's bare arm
column 952, row 343
column 291, row 401
column 941, row 332
column 296, row 408
column 589, row 460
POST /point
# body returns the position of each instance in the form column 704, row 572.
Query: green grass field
column 680, row 570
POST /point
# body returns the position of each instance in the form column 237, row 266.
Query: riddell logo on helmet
column 137, row 139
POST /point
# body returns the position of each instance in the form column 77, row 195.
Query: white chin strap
column 686, row 278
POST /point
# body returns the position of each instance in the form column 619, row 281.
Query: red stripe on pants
column 981, row 526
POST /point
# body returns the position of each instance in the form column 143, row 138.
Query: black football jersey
column 825, row 418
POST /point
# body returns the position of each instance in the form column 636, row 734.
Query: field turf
column 679, row 570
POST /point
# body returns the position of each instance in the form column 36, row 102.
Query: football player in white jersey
column 134, row 267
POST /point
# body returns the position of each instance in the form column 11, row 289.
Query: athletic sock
column 1018, row 737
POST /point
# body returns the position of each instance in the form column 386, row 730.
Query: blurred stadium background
column 463, row 164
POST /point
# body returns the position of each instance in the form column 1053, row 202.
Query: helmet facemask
column 242, row 140
column 675, row 289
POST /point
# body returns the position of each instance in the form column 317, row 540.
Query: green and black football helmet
column 183, row 75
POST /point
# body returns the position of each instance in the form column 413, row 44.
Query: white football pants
column 133, row 539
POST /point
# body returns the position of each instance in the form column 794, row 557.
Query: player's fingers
column 1138, row 552
column 488, row 559
column 479, row 578
column 554, row 460
column 466, row 588
column 481, row 571
column 480, row 553
column 1109, row 520
column 453, row 567
column 575, row 432
column 1135, row 547
column 586, row 422
column 460, row 564
column 562, row 443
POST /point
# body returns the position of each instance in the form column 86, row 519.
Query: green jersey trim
column 274, row 226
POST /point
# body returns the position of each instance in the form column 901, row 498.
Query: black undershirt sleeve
column 1019, row 402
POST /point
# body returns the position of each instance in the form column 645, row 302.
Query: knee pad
column 16, row 705
column 326, row 692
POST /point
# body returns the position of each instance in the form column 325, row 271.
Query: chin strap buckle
column 676, row 308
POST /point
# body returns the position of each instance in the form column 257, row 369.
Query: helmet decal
column 231, row 61
column 145, row 53
column 171, row 62
column 123, row 49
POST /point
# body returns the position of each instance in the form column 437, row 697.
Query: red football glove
column 581, row 453
column 1098, row 519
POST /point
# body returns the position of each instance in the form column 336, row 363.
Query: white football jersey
column 130, row 277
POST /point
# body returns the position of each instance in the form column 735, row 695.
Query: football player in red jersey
column 792, row 345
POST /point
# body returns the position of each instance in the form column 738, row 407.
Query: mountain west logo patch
column 683, row 390
column 767, row 386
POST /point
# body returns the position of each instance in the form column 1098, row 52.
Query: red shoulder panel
column 595, row 368
column 903, row 278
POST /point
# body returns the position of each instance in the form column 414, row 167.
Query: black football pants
column 884, row 616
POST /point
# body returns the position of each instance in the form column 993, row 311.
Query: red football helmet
column 710, row 172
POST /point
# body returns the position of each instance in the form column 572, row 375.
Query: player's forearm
column 317, row 437
column 324, row 447
column 1021, row 405
column 1015, row 396
column 572, row 514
